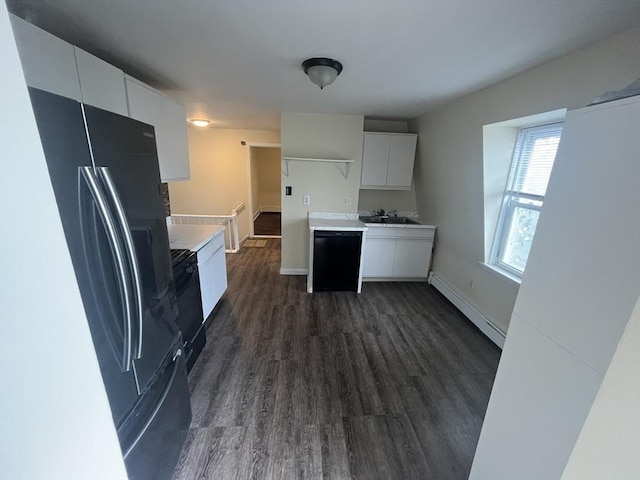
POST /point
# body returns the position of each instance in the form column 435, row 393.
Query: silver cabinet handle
column 105, row 175
column 156, row 409
column 119, row 255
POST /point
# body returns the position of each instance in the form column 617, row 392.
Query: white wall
column 55, row 420
column 219, row 173
column 268, row 167
column 449, row 171
column 316, row 136
column 609, row 443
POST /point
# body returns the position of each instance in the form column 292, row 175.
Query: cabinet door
column 48, row 62
column 173, row 142
column 412, row 258
column 101, row 84
column 169, row 121
column 379, row 256
column 219, row 275
column 375, row 160
column 206, row 271
column 402, row 154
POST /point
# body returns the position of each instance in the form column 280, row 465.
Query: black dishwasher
column 336, row 260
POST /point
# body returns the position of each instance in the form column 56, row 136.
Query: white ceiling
column 238, row 62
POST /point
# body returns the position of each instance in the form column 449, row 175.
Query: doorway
column 264, row 190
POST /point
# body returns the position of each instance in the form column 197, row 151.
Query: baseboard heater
column 468, row 309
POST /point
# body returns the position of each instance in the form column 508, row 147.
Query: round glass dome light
column 322, row 71
column 198, row 122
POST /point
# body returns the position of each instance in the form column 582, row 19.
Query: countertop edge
column 197, row 243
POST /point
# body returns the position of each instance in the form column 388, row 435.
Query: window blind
column 535, row 152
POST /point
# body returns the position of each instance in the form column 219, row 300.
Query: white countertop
column 192, row 237
column 335, row 221
column 350, row 222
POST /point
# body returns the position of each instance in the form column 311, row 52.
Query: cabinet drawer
column 215, row 244
column 398, row 232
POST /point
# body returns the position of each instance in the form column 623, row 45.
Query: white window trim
column 506, row 272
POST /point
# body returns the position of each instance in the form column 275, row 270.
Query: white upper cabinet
column 170, row 123
column 387, row 160
column 58, row 67
column 48, row 62
column 375, row 159
column 402, row 154
column 101, row 84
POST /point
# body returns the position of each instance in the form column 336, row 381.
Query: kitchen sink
column 372, row 219
column 402, row 221
column 390, row 220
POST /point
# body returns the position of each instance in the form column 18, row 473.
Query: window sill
column 502, row 274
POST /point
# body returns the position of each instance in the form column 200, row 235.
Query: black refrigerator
column 105, row 175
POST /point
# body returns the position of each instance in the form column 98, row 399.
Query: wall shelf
column 346, row 163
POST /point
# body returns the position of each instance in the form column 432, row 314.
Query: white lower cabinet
column 400, row 253
column 212, row 268
column 412, row 258
column 379, row 256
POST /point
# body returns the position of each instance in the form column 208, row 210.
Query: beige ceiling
column 238, row 62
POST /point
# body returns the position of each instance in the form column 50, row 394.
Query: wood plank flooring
column 267, row 223
column 392, row 383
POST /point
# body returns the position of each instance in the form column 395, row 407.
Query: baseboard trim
column 256, row 214
column 294, row 271
column 468, row 309
column 243, row 239
column 269, row 209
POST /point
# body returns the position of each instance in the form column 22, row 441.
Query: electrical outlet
column 306, row 200
column 346, row 201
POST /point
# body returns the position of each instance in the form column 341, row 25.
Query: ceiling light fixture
column 322, row 71
column 200, row 122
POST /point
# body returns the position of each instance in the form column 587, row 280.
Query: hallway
column 267, row 223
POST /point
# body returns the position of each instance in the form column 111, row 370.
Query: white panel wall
column 55, row 420
column 576, row 298
column 609, row 443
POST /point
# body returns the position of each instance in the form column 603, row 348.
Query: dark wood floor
column 389, row 384
column 267, row 223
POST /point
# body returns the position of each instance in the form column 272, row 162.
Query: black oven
column 190, row 318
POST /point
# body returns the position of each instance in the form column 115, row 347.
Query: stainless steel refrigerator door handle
column 156, row 409
column 105, row 175
column 119, row 254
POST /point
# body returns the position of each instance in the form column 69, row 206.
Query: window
column 533, row 157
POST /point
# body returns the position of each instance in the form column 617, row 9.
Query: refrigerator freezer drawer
column 153, row 435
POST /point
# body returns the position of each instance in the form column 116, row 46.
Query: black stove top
column 179, row 255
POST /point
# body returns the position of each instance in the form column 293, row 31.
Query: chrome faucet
column 378, row 213
column 392, row 213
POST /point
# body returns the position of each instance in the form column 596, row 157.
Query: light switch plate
column 346, row 201
column 306, row 200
